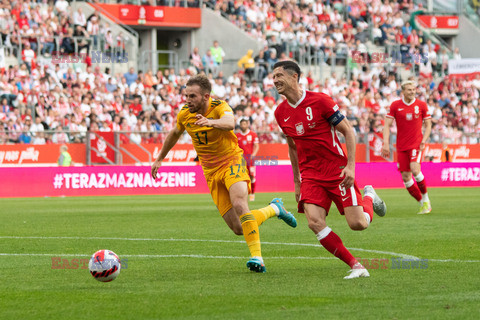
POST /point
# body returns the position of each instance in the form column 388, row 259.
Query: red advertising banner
column 28, row 154
column 458, row 152
column 23, row 154
column 141, row 13
column 136, row 180
column 439, row 22
column 101, row 149
column 155, row 16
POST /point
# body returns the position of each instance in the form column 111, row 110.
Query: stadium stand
column 41, row 100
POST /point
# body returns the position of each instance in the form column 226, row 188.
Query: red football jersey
column 311, row 124
column 246, row 141
column 409, row 120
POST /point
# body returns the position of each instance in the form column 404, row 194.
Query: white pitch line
column 200, row 256
column 453, row 260
column 206, row 240
column 405, row 256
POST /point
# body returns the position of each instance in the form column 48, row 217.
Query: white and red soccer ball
column 104, row 265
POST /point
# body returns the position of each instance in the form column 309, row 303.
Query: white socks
column 323, row 234
column 425, row 197
column 275, row 208
column 367, row 217
column 419, row 177
column 409, row 183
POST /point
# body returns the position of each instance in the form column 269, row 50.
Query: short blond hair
column 408, row 82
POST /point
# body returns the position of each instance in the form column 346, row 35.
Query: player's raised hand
column 202, row 121
column 348, row 173
column 155, row 166
column 386, row 151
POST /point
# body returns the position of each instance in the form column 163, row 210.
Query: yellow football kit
column 218, row 151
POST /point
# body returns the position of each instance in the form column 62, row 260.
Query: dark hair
column 201, row 81
column 244, row 120
column 290, row 66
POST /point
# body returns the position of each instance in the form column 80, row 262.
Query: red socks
column 422, row 186
column 368, row 206
column 330, row 241
column 413, row 190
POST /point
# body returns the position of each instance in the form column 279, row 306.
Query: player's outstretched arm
column 348, row 173
column 426, row 134
column 292, row 152
column 386, row 137
column 170, row 141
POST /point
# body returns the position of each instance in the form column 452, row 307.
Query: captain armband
column 336, row 118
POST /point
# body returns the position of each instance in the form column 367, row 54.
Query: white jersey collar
column 299, row 101
column 409, row 104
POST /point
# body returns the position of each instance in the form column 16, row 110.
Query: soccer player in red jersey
column 410, row 114
column 322, row 171
column 248, row 142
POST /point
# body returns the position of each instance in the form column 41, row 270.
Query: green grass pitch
column 184, row 262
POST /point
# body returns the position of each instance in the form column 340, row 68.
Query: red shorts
column 322, row 195
column 404, row 158
column 250, row 166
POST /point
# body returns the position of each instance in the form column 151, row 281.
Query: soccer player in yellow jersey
column 210, row 123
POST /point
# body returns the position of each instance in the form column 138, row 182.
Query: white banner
column 464, row 66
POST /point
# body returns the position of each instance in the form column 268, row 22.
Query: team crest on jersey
column 409, row 116
column 249, row 138
column 300, row 129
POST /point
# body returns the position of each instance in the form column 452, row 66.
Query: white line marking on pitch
column 405, row 256
column 155, row 256
column 200, row 256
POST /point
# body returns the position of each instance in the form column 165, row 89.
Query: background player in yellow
column 210, row 123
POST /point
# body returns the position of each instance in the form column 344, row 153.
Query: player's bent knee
column 406, row 176
column 358, row 225
column 240, row 205
column 237, row 230
column 317, row 226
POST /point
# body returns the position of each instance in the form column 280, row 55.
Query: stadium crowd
column 37, row 97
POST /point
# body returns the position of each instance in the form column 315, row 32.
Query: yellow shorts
column 220, row 181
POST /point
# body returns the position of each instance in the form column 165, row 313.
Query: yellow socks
column 250, row 223
column 251, row 233
column 263, row 214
